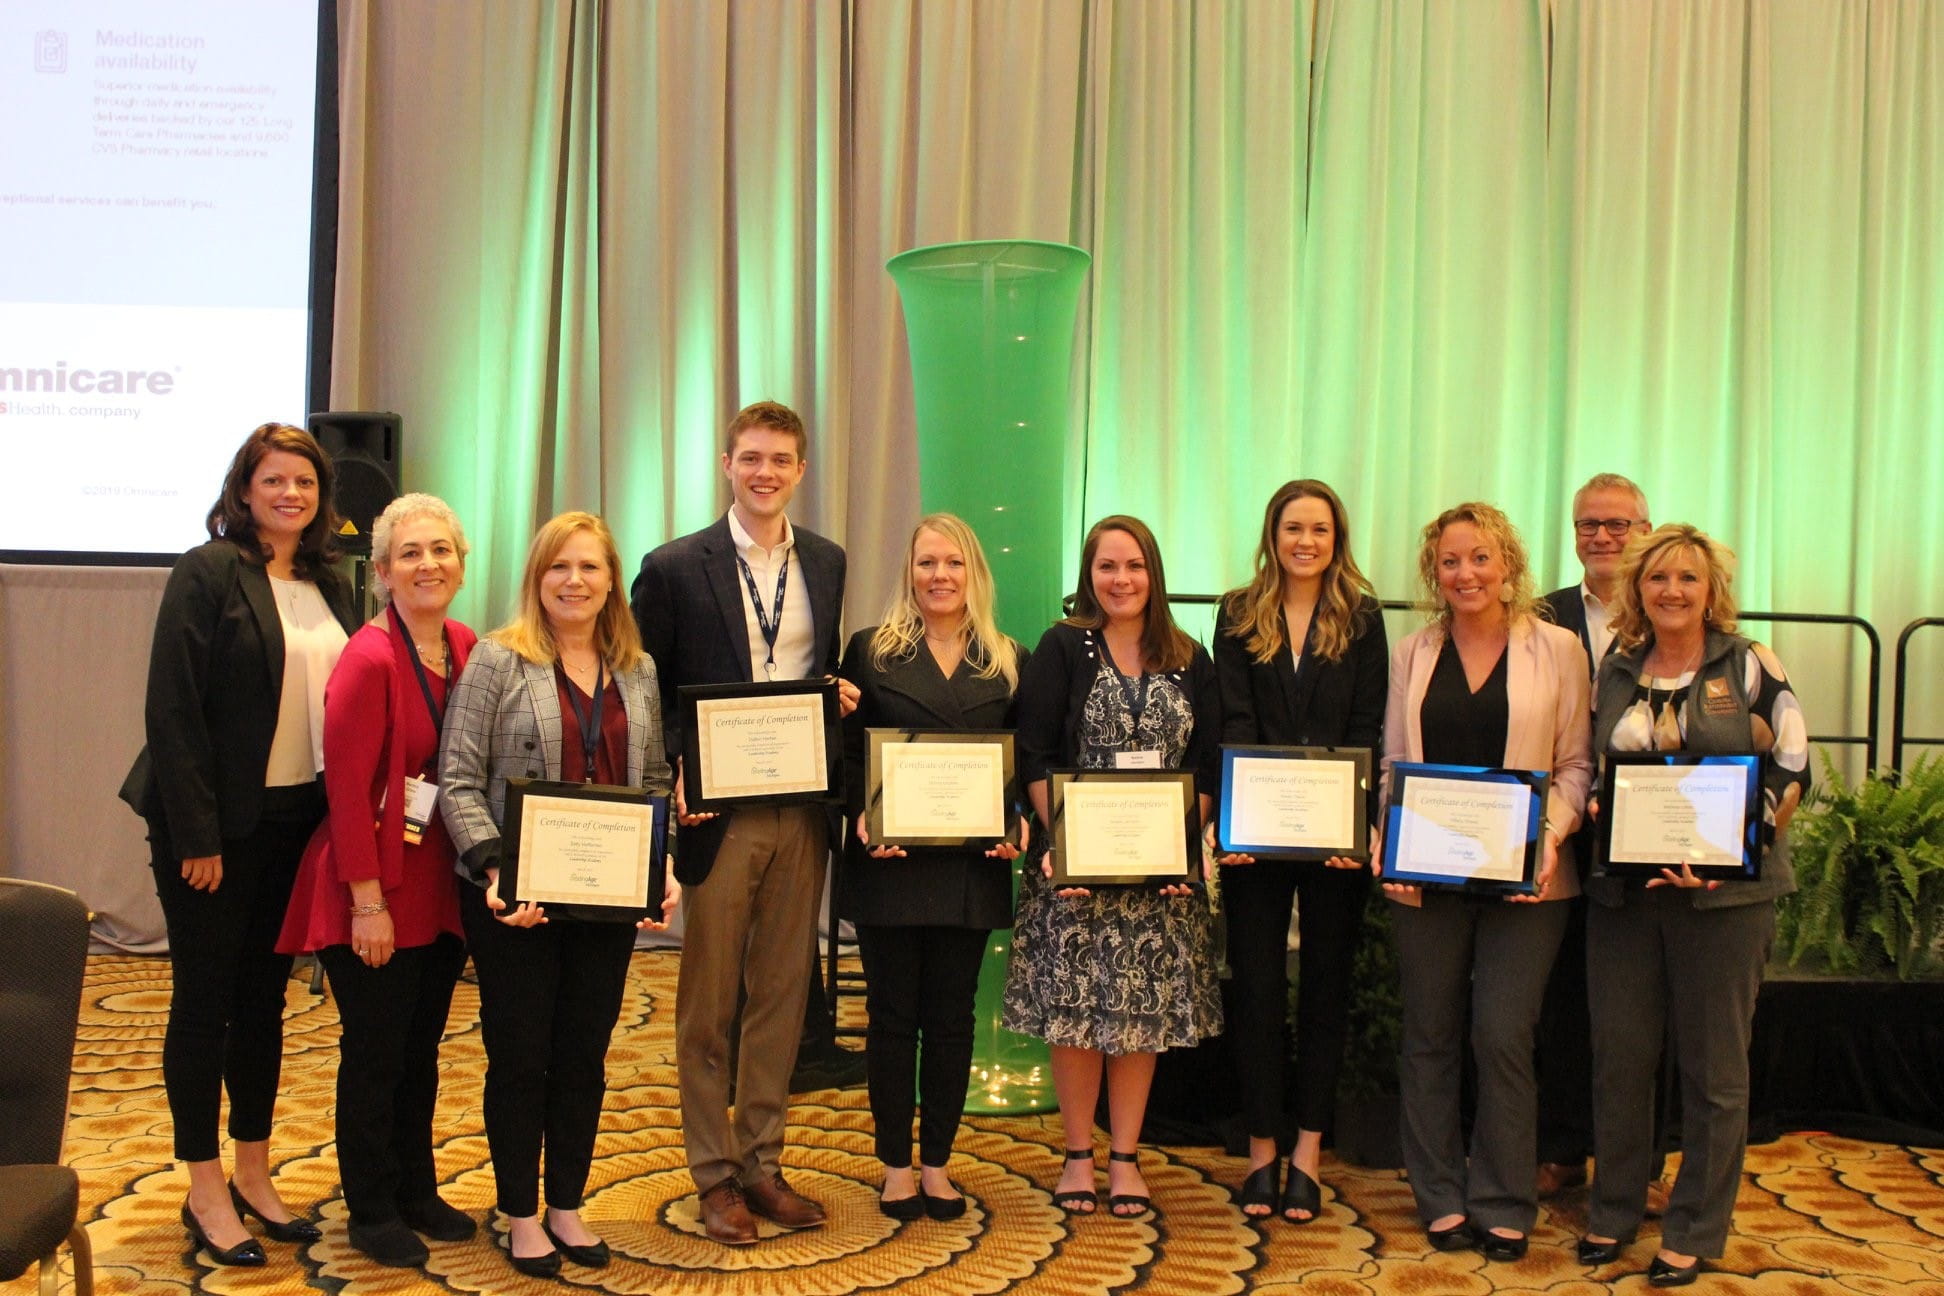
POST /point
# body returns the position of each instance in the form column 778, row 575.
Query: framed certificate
column 1138, row 827
column 769, row 743
column 940, row 787
column 584, row 850
column 1660, row 810
column 1306, row 803
column 1464, row 827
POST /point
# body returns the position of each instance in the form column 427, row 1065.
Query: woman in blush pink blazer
column 1487, row 683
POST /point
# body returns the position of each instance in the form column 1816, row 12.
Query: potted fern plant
column 1869, row 864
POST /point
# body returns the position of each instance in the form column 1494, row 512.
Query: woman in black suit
column 938, row 661
column 249, row 629
column 1302, row 662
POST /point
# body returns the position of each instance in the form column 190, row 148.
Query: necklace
column 1666, row 726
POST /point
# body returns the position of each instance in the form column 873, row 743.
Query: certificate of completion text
column 942, row 789
column 1124, row 828
column 1680, row 814
column 576, row 851
column 1465, row 829
column 1296, row 803
column 760, row 746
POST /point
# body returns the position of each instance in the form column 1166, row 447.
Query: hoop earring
column 1707, row 614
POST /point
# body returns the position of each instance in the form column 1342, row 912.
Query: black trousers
column 548, row 1000
column 227, row 1000
column 1256, row 904
column 388, row 1073
column 919, row 982
column 1563, row 1057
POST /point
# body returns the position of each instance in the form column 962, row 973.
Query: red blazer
column 376, row 732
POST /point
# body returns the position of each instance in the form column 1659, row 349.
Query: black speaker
column 365, row 448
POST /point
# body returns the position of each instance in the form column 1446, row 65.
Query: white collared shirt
column 1599, row 624
column 797, row 636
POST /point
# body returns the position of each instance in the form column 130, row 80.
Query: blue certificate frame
column 1661, row 804
column 1464, row 827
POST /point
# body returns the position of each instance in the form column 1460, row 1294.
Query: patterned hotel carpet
column 1817, row 1214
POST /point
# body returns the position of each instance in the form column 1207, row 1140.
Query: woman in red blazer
column 376, row 897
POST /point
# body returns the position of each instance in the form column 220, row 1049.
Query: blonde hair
column 1255, row 610
column 1644, row 554
column 1498, row 529
column 903, row 625
column 1165, row 646
column 615, row 637
column 403, row 509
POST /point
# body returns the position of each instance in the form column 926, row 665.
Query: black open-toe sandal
column 1078, row 1202
column 1259, row 1189
column 1300, row 1192
column 1141, row 1203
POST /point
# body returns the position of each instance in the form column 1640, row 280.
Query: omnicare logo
column 87, row 381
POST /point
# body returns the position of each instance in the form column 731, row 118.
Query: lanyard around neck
column 418, row 667
column 771, row 625
column 589, row 721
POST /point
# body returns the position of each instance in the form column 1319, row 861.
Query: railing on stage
column 1868, row 740
column 1899, row 698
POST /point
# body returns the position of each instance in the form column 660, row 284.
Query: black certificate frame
column 1402, row 773
column 1358, row 848
column 688, row 696
column 877, row 739
column 518, row 789
column 1611, row 791
column 1060, row 780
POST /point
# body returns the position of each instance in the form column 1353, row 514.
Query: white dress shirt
column 796, row 637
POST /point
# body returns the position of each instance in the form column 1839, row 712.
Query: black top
column 1461, row 727
column 931, row 886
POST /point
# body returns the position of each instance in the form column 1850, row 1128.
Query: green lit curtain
column 1427, row 251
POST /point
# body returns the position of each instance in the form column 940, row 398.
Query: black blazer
column 688, row 601
column 1564, row 608
column 1053, row 688
column 1318, row 703
column 215, row 681
column 937, row 887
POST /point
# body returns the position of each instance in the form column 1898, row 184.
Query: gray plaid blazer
column 503, row 720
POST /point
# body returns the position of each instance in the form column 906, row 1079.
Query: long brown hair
column 229, row 517
column 1255, row 610
column 616, row 637
column 1164, row 645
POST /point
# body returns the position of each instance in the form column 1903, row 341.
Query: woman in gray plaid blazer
column 562, row 691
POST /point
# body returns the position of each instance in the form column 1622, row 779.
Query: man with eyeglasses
column 1607, row 512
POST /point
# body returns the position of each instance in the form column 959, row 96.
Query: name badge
column 1137, row 760
column 421, row 799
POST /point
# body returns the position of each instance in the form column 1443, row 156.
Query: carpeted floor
column 1817, row 1214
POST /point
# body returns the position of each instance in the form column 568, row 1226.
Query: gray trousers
column 1658, row 967
column 1489, row 960
column 745, row 927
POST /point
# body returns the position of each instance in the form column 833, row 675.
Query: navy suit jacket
column 688, row 600
column 1565, row 608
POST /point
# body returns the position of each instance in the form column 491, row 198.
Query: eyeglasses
column 1591, row 527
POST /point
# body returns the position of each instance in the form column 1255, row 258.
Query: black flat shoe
column 903, row 1209
column 1599, row 1253
column 292, row 1230
column 244, row 1254
column 1662, row 1274
column 1080, row 1201
column 1127, row 1206
column 1459, row 1237
column 540, row 1266
column 1300, row 1192
column 1495, row 1247
column 942, row 1208
column 1259, row 1189
column 593, row 1256
column 438, row 1219
column 389, row 1243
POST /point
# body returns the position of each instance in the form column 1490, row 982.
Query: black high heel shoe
column 1458, row 1237
column 293, row 1230
column 1496, row 1246
column 1081, row 1201
column 1599, row 1253
column 247, row 1253
column 1127, row 1206
column 1662, row 1274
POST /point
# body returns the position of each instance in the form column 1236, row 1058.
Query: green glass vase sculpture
column 991, row 331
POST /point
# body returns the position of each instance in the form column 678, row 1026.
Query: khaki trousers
column 746, row 927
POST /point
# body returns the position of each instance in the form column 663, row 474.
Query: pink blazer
column 1549, row 722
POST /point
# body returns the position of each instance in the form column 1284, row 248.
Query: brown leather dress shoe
column 725, row 1217
column 1555, row 1177
column 782, row 1205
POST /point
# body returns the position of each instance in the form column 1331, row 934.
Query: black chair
column 43, row 958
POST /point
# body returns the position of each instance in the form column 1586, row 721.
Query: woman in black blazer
column 249, row 628
column 938, row 661
column 1302, row 662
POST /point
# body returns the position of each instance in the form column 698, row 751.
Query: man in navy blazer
column 1607, row 512
column 748, row 598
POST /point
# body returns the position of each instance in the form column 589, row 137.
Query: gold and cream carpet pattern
column 1817, row 1213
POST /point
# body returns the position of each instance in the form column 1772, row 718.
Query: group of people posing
column 313, row 785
